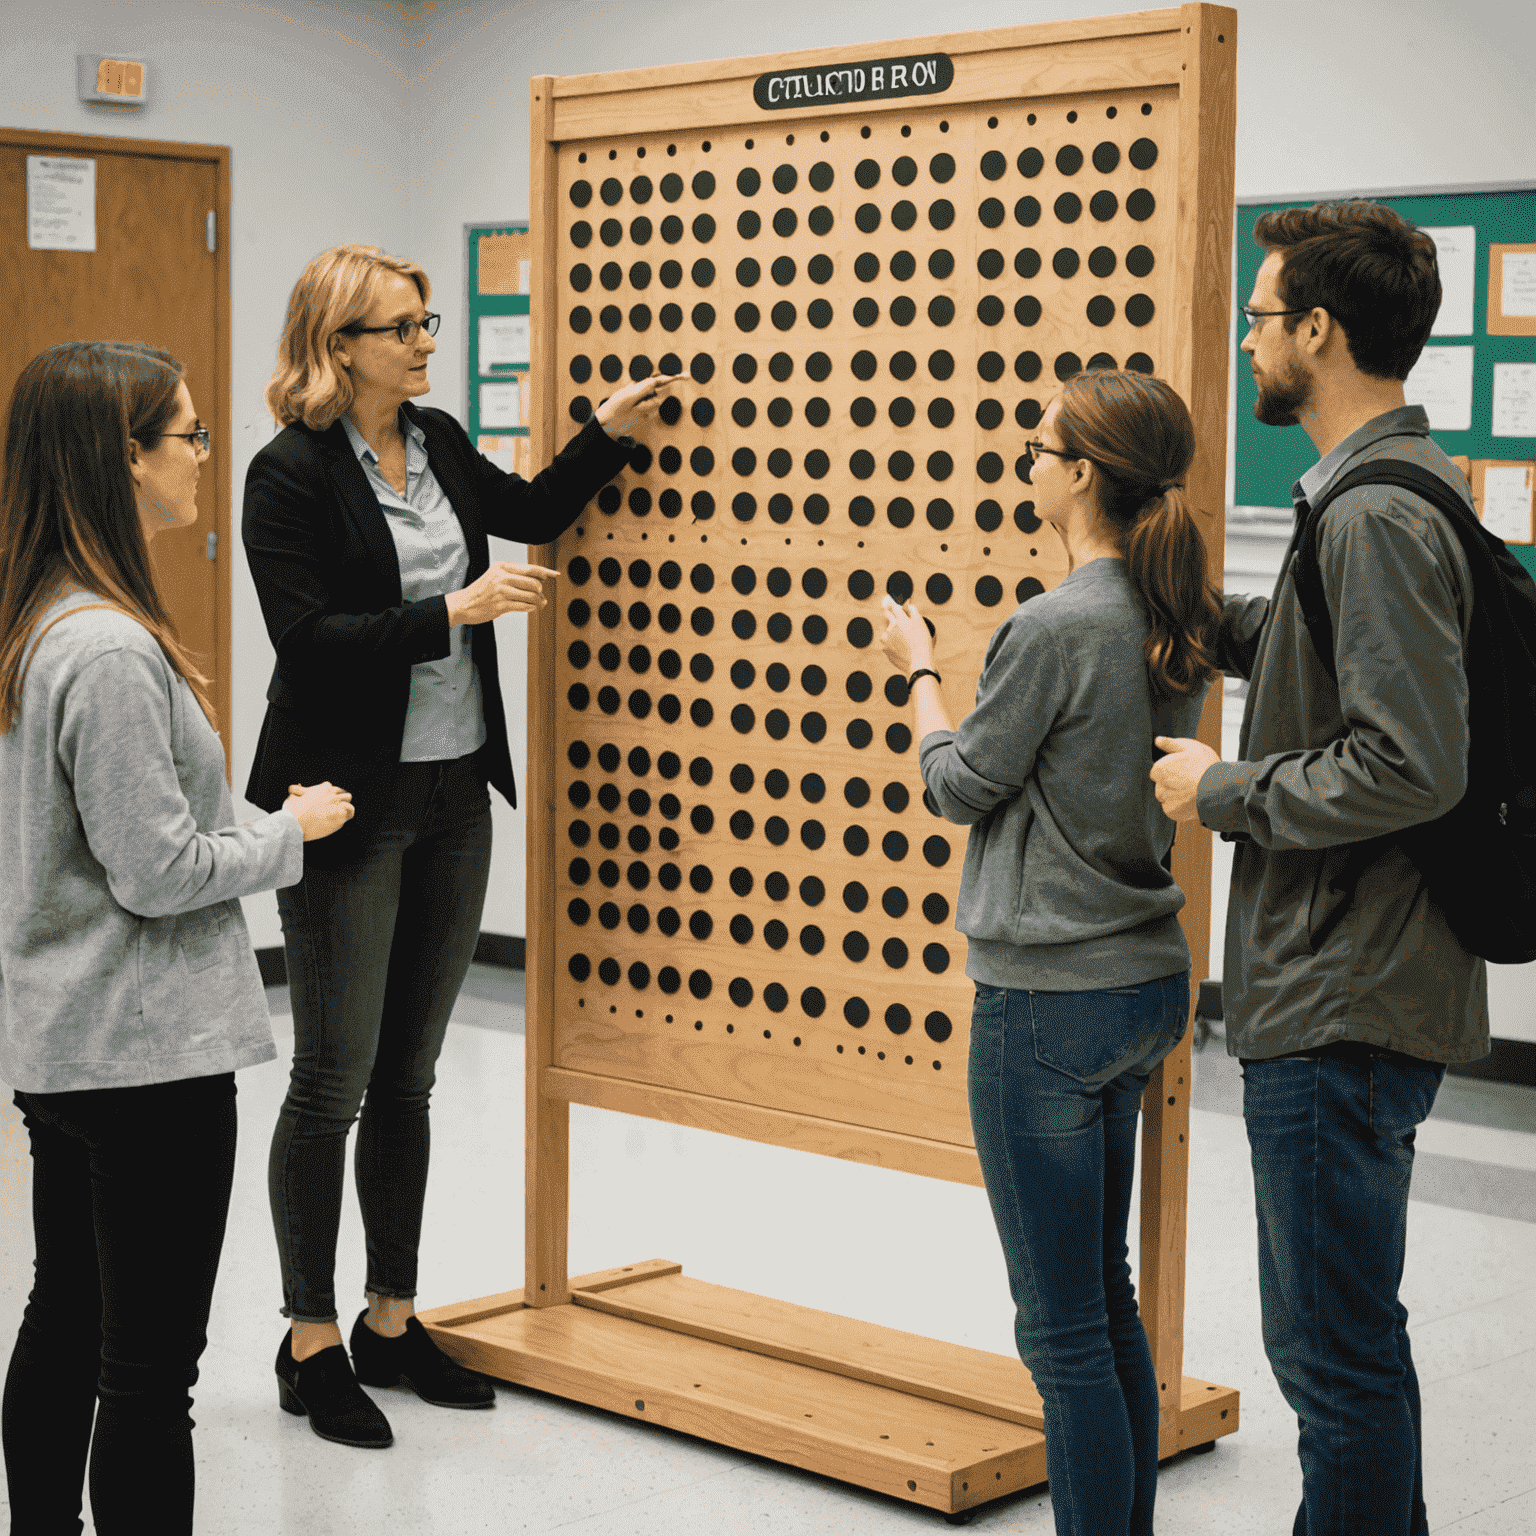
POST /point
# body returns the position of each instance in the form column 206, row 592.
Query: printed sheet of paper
column 1507, row 502
column 503, row 339
column 1514, row 400
column 61, row 204
column 1517, row 296
column 1456, row 253
column 501, row 405
column 1441, row 382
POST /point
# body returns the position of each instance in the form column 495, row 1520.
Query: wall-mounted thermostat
column 122, row 81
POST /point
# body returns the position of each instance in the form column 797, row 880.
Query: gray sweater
column 1063, row 887
column 124, row 956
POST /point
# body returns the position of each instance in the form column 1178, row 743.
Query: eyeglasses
column 406, row 330
column 1253, row 316
column 199, row 439
column 1034, row 449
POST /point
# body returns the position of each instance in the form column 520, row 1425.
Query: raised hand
column 627, row 409
column 906, row 642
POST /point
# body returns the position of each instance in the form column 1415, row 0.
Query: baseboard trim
column 507, row 950
column 1509, row 1061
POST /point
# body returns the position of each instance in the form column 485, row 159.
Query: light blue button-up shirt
column 446, row 714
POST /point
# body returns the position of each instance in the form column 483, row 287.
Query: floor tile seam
column 1497, row 1504
column 1424, row 1320
column 1487, row 1365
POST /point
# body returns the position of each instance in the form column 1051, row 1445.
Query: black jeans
column 377, row 950
column 130, row 1192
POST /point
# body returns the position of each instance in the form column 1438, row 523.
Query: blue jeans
column 1332, row 1138
column 377, row 950
column 1055, row 1088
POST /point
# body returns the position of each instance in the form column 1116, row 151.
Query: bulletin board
column 1271, row 459
column 877, row 264
column 497, row 358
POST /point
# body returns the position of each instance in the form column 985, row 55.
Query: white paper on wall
column 503, row 339
column 1456, row 254
column 1514, row 400
column 1441, row 382
column 501, row 404
column 1507, row 502
column 61, row 204
column 1517, row 297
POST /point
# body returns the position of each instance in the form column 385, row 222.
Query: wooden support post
column 1203, row 300
column 547, row 1170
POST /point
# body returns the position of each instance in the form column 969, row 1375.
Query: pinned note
column 501, row 405
column 1507, row 502
column 503, row 339
column 1514, row 400
column 1441, row 381
column 1456, row 257
column 61, row 204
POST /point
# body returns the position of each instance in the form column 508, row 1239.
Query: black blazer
column 325, row 569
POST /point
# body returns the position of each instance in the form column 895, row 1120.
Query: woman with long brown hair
column 131, row 990
column 1080, row 966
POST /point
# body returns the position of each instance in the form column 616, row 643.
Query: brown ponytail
column 1138, row 432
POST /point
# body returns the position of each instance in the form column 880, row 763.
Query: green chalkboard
column 1270, row 459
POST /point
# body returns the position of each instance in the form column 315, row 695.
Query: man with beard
column 1345, row 991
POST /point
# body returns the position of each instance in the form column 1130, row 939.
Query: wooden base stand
column 936, row 1424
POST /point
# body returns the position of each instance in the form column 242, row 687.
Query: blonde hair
column 68, row 511
column 336, row 289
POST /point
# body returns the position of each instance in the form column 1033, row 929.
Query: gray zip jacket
column 1324, row 765
column 1063, row 888
column 124, row 956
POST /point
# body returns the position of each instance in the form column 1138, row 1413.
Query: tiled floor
column 833, row 1235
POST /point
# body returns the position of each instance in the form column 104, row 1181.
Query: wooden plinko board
column 741, row 913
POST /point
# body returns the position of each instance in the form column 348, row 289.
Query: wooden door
column 152, row 278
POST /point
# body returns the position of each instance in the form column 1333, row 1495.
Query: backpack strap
column 1307, row 571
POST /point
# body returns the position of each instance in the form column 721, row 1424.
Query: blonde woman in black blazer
column 365, row 524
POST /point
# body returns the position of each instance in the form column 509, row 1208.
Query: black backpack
column 1479, row 859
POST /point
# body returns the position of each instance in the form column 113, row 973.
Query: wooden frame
column 825, row 1091
column 217, row 155
column 1498, row 323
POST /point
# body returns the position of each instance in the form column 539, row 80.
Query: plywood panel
column 732, row 748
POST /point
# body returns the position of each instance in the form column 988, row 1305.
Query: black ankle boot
column 414, row 1360
column 324, row 1387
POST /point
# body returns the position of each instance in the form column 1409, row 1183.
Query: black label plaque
column 923, row 74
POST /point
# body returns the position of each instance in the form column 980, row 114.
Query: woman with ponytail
column 131, row 990
column 1080, row 966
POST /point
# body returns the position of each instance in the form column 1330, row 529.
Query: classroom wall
column 310, row 96
column 395, row 123
column 1330, row 98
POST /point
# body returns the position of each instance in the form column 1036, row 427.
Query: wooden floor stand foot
column 933, row 1423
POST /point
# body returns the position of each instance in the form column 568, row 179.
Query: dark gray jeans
column 377, row 950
